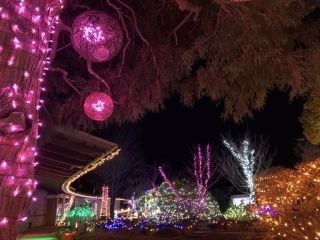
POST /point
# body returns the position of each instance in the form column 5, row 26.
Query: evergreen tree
column 310, row 118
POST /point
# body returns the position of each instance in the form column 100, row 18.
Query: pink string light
column 3, row 165
column 164, row 176
column 202, row 172
column 4, row 221
column 30, row 32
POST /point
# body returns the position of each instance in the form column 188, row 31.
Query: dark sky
column 171, row 135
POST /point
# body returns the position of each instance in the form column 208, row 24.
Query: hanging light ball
column 98, row 106
column 96, row 36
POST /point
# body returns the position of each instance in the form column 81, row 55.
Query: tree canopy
column 232, row 51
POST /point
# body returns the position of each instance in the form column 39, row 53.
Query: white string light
column 246, row 159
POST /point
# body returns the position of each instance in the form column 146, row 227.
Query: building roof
column 65, row 151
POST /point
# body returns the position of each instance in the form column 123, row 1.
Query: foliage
column 163, row 205
column 306, row 151
column 310, row 118
column 233, row 52
column 238, row 213
column 81, row 212
column 294, row 194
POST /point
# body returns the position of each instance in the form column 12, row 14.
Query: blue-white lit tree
column 248, row 158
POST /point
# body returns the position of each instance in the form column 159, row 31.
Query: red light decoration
column 98, row 106
column 96, row 36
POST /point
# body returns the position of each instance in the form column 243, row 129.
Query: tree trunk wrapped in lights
column 203, row 172
column 249, row 157
column 27, row 28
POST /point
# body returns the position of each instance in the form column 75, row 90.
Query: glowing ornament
column 96, row 36
column 98, row 106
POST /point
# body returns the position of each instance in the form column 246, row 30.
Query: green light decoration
column 238, row 213
column 38, row 238
column 81, row 212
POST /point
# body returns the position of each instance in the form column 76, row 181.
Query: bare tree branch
column 124, row 50
column 137, row 29
column 93, row 73
column 76, row 4
column 59, row 28
column 59, row 49
column 65, row 78
column 184, row 20
column 135, row 22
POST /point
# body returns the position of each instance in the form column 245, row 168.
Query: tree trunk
column 25, row 33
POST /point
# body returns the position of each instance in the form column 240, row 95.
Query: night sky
column 170, row 136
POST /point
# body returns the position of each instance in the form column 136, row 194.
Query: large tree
column 27, row 28
column 232, row 51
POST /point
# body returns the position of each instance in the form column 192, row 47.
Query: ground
column 238, row 232
column 139, row 236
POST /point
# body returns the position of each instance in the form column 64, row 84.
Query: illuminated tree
column 248, row 158
column 26, row 49
column 203, row 171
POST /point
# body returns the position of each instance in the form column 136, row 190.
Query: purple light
column 98, row 106
column 267, row 210
column 96, row 36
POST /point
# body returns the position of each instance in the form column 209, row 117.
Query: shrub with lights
column 289, row 202
column 173, row 205
column 176, row 203
column 238, row 213
column 80, row 215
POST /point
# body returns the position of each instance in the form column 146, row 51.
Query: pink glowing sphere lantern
column 98, row 106
column 96, row 36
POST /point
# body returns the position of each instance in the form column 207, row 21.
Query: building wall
column 240, row 199
column 36, row 212
column 43, row 211
column 51, row 211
